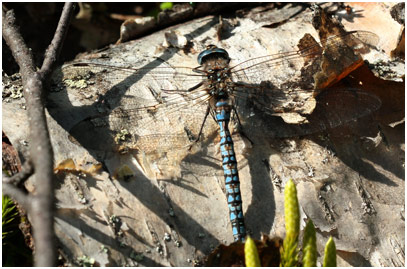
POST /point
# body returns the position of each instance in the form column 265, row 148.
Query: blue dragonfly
column 143, row 108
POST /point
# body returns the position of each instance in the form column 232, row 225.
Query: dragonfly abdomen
column 229, row 163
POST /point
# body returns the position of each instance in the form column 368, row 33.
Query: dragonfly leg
column 203, row 123
column 183, row 92
column 241, row 132
column 195, row 87
column 197, row 70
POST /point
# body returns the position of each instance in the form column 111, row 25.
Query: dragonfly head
column 212, row 52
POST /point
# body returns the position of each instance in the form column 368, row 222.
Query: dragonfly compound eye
column 211, row 53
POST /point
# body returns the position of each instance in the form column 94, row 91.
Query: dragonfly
column 161, row 109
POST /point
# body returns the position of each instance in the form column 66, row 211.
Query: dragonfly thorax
column 215, row 63
column 219, row 82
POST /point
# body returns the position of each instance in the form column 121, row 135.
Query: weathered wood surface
column 350, row 180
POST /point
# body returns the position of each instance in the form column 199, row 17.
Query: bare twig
column 16, row 43
column 54, row 48
column 40, row 208
column 20, row 196
column 26, row 171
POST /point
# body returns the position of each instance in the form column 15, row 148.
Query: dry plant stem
column 22, row 176
column 16, row 193
column 39, row 205
column 55, row 47
column 10, row 185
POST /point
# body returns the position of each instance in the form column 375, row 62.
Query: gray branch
column 20, row 196
column 41, row 203
column 54, row 48
column 21, row 177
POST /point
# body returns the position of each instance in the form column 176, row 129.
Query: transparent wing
column 141, row 87
column 144, row 109
column 335, row 107
column 274, row 67
column 288, row 82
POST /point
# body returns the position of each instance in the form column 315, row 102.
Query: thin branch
column 26, row 171
column 21, row 53
column 17, row 194
column 55, row 47
column 40, row 205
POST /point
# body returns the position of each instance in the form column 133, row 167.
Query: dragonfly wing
column 335, row 107
column 277, row 102
column 141, row 108
column 279, row 68
column 131, row 87
column 283, row 84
